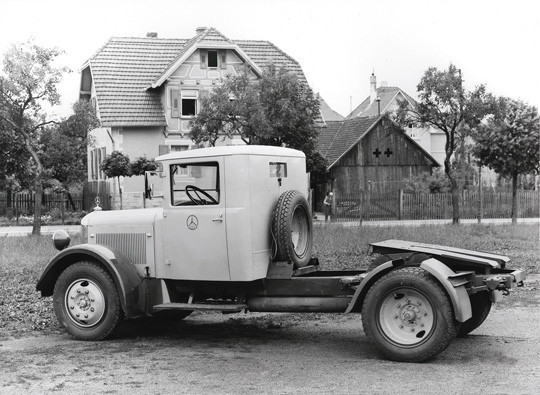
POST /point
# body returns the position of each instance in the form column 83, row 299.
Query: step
column 228, row 307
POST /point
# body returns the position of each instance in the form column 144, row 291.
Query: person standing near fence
column 328, row 201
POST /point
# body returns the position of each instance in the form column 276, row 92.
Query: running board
column 229, row 308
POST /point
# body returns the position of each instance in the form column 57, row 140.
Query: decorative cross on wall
column 378, row 153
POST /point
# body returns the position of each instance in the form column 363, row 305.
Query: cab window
column 195, row 184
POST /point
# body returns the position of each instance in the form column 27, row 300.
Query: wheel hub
column 85, row 302
column 406, row 317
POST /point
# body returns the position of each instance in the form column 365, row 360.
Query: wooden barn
column 370, row 154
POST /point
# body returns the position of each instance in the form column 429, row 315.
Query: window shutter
column 92, row 165
column 204, row 54
column 223, row 57
column 163, row 149
column 103, row 156
column 175, row 103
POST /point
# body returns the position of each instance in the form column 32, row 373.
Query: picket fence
column 410, row 206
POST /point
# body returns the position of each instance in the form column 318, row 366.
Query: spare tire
column 292, row 229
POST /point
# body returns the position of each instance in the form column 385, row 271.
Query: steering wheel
column 199, row 200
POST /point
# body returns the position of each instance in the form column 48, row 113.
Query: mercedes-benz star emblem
column 192, row 222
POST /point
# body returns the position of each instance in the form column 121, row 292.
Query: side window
column 195, row 184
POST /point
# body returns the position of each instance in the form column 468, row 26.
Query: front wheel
column 86, row 301
column 408, row 315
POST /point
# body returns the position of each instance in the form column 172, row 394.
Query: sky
column 338, row 43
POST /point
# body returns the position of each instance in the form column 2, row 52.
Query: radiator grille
column 132, row 245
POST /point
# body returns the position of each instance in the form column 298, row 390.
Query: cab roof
column 259, row 150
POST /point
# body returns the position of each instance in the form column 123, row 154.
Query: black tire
column 481, row 306
column 408, row 316
column 86, row 301
column 292, row 229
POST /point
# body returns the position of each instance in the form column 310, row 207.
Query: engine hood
column 122, row 217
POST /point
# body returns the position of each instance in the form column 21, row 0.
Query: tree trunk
column 514, row 198
column 36, row 227
column 455, row 201
column 120, row 191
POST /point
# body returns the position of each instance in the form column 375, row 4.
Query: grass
column 23, row 259
column 341, row 247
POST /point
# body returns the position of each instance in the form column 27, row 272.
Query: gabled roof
column 387, row 94
column 340, row 136
column 327, row 113
column 125, row 67
column 208, row 38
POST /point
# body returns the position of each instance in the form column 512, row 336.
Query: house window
column 212, row 59
column 189, row 102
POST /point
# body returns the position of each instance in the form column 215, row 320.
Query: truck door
column 195, row 245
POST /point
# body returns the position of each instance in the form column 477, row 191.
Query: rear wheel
column 481, row 306
column 86, row 301
column 408, row 316
column 292, row 229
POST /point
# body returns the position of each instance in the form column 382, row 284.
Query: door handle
column 220, row 219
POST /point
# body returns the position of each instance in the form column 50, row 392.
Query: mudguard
column 130, row 284
column 456, row 290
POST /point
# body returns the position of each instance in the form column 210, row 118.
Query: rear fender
column 455, row 289
column 372, row 276
column 130, row 284
column 453, row 286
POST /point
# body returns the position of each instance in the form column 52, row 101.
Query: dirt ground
column 276, row 354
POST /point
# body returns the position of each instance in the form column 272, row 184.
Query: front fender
column 130, row 284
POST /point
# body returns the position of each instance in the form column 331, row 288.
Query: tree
column 65, row 145
column 445, row 105
column 141, row 165
column 277, row 109
column 508, row 142
column 427, row 183
column 27, row 82
column 117, row 165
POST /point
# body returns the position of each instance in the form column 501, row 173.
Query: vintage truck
column 234, row 233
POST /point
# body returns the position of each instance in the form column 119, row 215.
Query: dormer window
column 213, row 59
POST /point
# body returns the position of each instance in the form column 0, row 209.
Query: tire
column 481, row 306
column 292, row 229
column 86, row 302
column 408, row 316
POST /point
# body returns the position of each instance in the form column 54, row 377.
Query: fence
column 23, row 203
column 398, row 205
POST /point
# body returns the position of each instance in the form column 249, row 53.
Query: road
column 275, row 354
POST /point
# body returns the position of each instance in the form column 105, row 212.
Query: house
column 385, row 99
column 369, row 154
column 146, row 90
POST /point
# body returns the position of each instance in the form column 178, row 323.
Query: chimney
column 384, row 84
column 373, row 83
column 200, row 30
column 151, row 35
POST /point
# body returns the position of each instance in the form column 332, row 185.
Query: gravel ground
column 264, row 353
